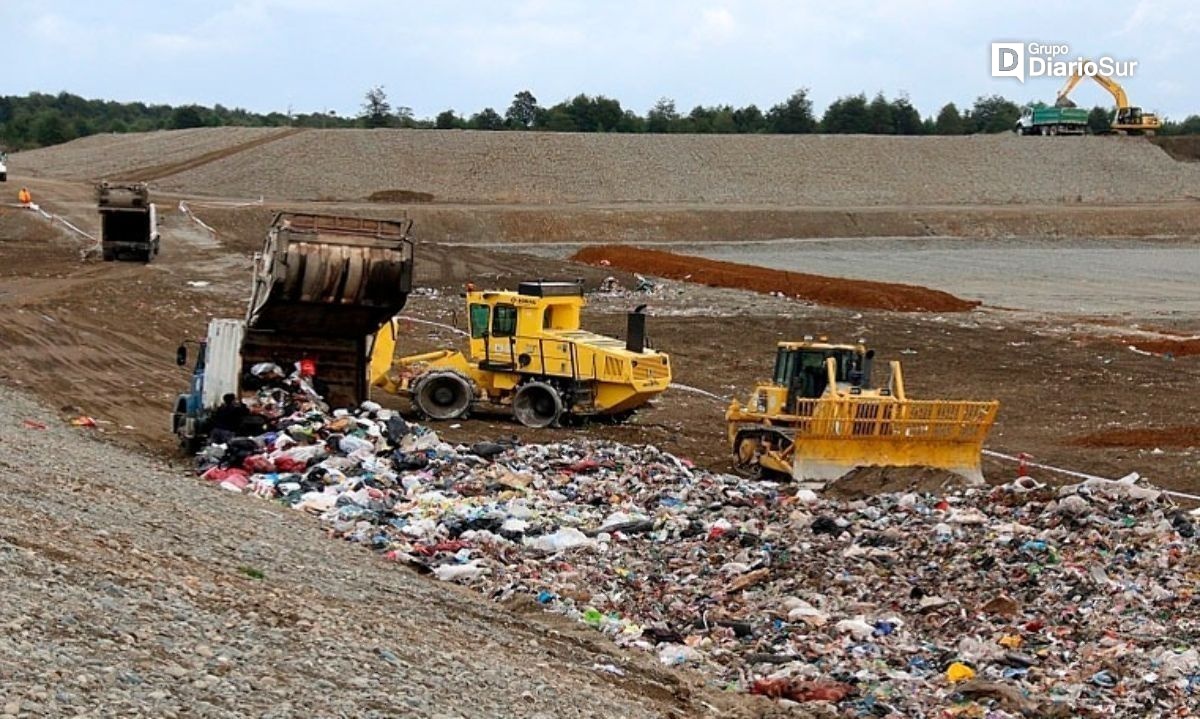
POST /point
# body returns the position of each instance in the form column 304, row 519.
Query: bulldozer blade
column 838, row 436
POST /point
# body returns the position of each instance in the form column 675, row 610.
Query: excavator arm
column 1063, row 100
column 1127, row 118
column 1112, row 86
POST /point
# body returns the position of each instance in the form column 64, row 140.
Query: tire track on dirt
column 157, row 172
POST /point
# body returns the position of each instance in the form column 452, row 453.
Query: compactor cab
column 820, row 417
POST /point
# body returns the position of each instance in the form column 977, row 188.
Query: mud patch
column 1179, row 437
column 870, row 481
column 829, row 291
column 400, row 196
column 1175, row 348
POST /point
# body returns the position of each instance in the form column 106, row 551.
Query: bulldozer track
column 157, row 172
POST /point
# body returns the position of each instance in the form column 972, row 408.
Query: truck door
column 502, row 337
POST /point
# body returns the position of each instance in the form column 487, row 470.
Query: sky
column 322, row 55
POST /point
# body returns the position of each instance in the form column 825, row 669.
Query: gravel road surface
column 130, row 590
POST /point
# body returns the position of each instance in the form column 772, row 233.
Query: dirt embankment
column 1175, row 348
column 533, row 168
column 1181, row 437
column 829, row 291
column 1185, row 148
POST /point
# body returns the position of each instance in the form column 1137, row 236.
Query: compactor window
column 479, row 320
column 504, row 321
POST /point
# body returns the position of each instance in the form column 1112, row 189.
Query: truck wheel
column 443, row 395
column 537, row 404
column 108, row 254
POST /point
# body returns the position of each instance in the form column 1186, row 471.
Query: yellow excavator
column 1128, row 119
column 819, row 418
column 529, row 356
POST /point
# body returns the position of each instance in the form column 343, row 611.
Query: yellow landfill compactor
column 529, row 356
column 819, row 418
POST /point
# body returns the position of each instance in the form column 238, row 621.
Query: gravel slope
column 554, row 168
column 111, row 156
column 126, row 592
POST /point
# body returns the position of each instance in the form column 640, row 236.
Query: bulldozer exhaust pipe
column 635, row 332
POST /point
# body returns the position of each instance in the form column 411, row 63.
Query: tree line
column 39, row 120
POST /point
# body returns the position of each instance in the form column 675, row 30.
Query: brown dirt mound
column 400, row 196
column 1185, row 148
column 870, row 481
column 1144, row 438
column 831, row 291
column 1176, row 348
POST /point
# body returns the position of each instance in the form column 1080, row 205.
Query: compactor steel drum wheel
column 443, row 395
column 537, row 404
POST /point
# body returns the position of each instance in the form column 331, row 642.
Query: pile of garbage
column 1020, row 600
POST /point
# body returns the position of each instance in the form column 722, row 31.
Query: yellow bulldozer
column 528, row 356
column 819, row 418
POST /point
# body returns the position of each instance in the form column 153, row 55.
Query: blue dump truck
column 323, row 288
column 1042, row 119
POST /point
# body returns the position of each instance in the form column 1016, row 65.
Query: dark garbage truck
column 323, row 287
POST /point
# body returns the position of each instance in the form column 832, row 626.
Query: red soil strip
column 1180, row 437
column 1176, row 348
column 831, row 291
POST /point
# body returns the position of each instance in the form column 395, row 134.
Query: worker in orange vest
column 24, row 197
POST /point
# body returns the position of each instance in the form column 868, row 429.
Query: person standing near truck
column 227, row 419
column 24, row 197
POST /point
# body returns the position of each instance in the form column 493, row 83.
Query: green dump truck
column 1041, row 119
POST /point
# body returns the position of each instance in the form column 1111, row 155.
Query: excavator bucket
column 835, row 435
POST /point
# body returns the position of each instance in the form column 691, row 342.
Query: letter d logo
column 1008, row 60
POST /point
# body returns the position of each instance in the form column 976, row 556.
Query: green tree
column 1190, row 125
column 994, row 114
column 794, row 115
column 723, row 122
column 185, row 117
column 376, row 110
column 50, row 128
column 879, row 116
column 486, row 119
column 749, row 119
column 523, row 112
column 847, row 115
column 404, row 117
column 949, row 121
column 662, row 117
column 905, row 118
column 447, row 120
column 1099, row 120
column 557, row 119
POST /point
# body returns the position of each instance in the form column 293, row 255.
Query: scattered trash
column 33, row 424
column 198, row 283
column 83, row 421
column 999, row 602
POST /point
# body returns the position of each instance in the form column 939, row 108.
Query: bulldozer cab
column 800, row 367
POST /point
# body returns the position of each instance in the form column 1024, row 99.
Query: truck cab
column 3, row 166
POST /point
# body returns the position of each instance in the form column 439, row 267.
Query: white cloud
column 716, row 26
